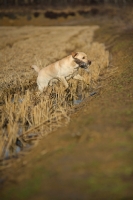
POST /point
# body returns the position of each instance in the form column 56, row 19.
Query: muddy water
column 91, row 158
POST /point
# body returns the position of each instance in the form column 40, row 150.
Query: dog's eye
column 83, row 58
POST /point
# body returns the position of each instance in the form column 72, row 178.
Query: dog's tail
column 36, row 68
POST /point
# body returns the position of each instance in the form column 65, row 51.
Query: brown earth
column 91, row 158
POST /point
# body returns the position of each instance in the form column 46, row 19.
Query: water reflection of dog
column 62, row 70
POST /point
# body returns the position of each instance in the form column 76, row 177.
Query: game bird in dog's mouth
column 62, row 70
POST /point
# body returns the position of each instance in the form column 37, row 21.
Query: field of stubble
column 25, row 117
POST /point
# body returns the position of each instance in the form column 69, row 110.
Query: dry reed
column 26, row 116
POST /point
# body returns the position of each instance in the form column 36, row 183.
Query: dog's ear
column 74, row 54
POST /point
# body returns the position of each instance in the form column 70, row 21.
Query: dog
column 62, row 70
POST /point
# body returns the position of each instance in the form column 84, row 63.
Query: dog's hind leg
column 41, row 86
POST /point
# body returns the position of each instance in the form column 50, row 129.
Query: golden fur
column 62, row 70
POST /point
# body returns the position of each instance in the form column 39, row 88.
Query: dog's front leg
column 78, row 77
column 64, row 81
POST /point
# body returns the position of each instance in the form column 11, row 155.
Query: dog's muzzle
column 82, row 64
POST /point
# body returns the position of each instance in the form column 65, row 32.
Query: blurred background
column 61, row 2
column 46, row 12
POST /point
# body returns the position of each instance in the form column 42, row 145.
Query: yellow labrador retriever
column 63, row 70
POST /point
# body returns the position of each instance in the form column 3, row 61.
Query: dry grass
column 25, row 116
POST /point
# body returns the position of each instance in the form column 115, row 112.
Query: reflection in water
column 78, row 100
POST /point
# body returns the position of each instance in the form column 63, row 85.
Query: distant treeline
column 61, row 2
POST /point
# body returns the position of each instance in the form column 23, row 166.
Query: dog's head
column 81, row 59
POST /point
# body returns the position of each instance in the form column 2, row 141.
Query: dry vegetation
column 25, row 116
